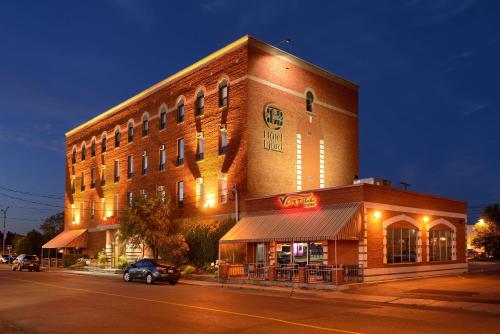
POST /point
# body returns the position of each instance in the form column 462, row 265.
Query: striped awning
column 69, row 239
column 329, row 222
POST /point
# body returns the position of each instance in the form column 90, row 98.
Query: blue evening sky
column 428, row 70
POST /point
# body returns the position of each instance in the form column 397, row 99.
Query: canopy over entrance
column 69, row 239
column 329, row 222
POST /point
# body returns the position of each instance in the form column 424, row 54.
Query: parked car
column 151, row 271
column 23, row 261
column 3, row 259
column 9, row 258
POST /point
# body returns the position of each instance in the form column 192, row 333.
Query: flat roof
column 239, row 42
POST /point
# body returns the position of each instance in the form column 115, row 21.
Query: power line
column 28, row 201
column 32, row 194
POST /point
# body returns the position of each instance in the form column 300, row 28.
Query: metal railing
column 53, row 262
column 256, row 271
column 287, row 272
column 318, row 273
column 353, row 273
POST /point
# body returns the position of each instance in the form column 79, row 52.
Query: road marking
column 204, row 308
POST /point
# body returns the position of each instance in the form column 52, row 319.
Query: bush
column 122, row 262
column 77, row 265
column 69, row 259
column 187, row 270
column 101, row 257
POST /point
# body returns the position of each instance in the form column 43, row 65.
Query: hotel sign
column 298, row 201
column 273, row 136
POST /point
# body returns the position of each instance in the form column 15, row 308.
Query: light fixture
column 209, row 203
column 377, row 214
column 425, row 219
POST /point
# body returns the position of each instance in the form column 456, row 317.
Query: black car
column 23, row 261
column 151, row 271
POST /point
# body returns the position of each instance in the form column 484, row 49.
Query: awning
column 329, row 222
column 69, row 239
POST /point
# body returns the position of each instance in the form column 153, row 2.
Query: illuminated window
column 223, row 187
column 180, row 152
column 180, row 194
column 82, row 184
column 200, row 103
column 200, row 190
column 117, row 170
column 118, row 137
column 163, row 117
column 103, row 174
column 130, row 166
column 73, row 156
column 200, row 146
column 129, row 198
column 83, row 151
column 401, row 245
column 92, row 148
column 92, row 178
column 180, row 111
column 144, row 162
column 130, row 131
column 223, row 88
column 163, row 157
column 223, row 140
column 440, row 245
column 309, row 101
column 145, row 125
column 103, row 143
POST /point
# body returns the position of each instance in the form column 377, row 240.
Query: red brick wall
column 347, row 252
column 95, row 243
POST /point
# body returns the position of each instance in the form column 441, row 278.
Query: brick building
column 248, row 120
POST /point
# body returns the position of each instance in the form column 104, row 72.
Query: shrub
column 77, row 265
column 101, row 257
column 69, row 259
column 122, row 262
column 187, row 270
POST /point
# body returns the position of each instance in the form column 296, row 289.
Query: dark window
column 83, row 152
column 180, row 112
column 82, row 184
column 223, row 94
column 130, row 132
column 309, row 101
column 117, row 170
column 92, row 178
column 200, row 103
column 118, row 137
column 103, row 143
column 145, row 126
column 180, row 152
column 103, row 175
column 73, row 156
column 73, row 184
column 440, row 245
column 200, row 147
column 163, row 118
column 92, row 148
column 401, row 245
column 130, row 166
column 223, row 140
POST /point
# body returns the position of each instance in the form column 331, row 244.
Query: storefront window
column 300, row 253
column 401, row 245
column 284, row 253
column 440, row 245
column 315, row 252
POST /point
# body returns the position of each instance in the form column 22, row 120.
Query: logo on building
column 273, row 137
column 298, row 201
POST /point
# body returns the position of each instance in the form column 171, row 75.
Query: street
column 64, row 303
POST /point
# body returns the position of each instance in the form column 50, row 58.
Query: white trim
column 441, row 221
column 389, row 207
column 453, row 237
column 413, row 269
column 399, row 218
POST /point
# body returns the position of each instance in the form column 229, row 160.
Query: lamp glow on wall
column 210, row 203
column 377, row 214
column 425, row 219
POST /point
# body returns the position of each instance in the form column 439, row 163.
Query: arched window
column 130, row 131
column 180, row 111
column 73, row 156
column 145, row 125
column 83, row 151
column 223, row 93
column 92, row 148
column 118, row 137
column 402, row 243
column 163, row 117
column 309, row 101
column 440, row 245
column 200, row 103
column 103, row 142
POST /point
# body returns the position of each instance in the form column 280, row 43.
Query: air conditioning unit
column 373, row 180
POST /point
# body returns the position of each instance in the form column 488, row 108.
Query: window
column 130, row 167
column 163, row 157
column 223, row 94
column 82, row 184
column 284, row 253
column 161, row 192
column 200, row 190
column 440, row 245
column 103, row 143
column 83, row 151
column 223, row 187
column 309, row 101
column 103, row 175
column 142, row 192
column 130, row 131
column 163, row 118
column 200, row 146
column 92, row 209
column 118, row 137
column 223, row 140
column 92, row 148
column 129, row 198
column 73, row 156
column 92, row 178
column 103, row 208
column 401, row 245
column 144, row 162
column 180, row 152
column 180, row 194
column 117, row 170
column 145, row 125
column 200, row 103
column 73, row 184
column 180, row 112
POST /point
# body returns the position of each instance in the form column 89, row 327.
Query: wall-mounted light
column 377, row 214
column 425, row 219
column 209, row 203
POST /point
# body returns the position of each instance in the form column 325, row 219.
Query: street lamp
column 4, row 237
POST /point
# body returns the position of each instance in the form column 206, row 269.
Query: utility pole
column 4, row 211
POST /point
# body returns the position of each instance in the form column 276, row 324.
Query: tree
column 488, row 231
column 149, row 220
column 52, row 226
column 30, row 244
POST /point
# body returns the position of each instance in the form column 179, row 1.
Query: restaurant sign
column 298, row 201
column 273, row 137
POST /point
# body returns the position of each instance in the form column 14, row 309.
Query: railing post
column 271, row 274
column 302, row 275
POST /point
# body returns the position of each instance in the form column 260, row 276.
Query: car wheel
column 149, row 279
column 172, row 282
column 126, row 277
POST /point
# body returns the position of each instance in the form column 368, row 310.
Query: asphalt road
column 63, row 303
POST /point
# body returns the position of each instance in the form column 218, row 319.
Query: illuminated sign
column 274, row 119
column 298, row 201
